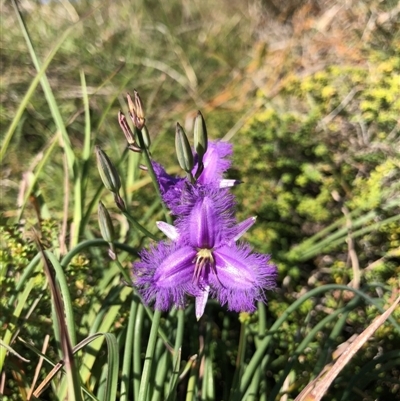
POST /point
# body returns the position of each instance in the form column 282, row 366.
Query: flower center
column 204, row 256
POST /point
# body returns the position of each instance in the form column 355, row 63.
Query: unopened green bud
column 146, row 136
column 108, row 172
column 183, row 150
column 130, row 137
column 200, row 136
column 105, row 223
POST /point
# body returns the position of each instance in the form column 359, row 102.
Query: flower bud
column 183, row 150
column 136, row 110
column 139, row 107
column 130, row 138
column 105, row 223
column 108, row 172
column 200, row 136
column 146, row 136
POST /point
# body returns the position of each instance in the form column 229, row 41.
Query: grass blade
column 48, row 94
column 74, row 393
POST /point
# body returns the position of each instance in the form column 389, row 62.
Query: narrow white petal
column 228, row 183
column 243, row 227
column 201, row 301
column 169, row 230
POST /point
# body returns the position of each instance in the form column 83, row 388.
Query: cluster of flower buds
column 202, row 256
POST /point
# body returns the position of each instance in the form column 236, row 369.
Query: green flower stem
column 239, row 358
column 137, row 351
column 153, row 177
column 121, row 268
column 262, row 327
column 144, row 383
column 176, row 360
column 191, row 388
column 128, row 351
column 159, row 380
column 138, row 226
column 208, row 379
column 78, row 203
column 94, row 242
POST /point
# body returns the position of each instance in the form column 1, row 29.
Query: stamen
column 204, row 256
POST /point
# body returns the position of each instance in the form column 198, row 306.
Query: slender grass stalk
column 138, row 226
column 128, row 350
column 335, row 332
column 363, row 377
column 103, row 322
column 137, row 350
column 176, row 360
column 34, row 83
column 73, row 379
column 22, row 300
column 193, row 378
column 260, row 352
column 159, row 378
column 112, row 368
column 48, row 93
column 80, row 181
column 159, row 369
column 66, row 260
column 262, row 327
column 341, row 312
column 145, row 380
column 239, row 359
column 66, row 296
column 210, row 385
column 39, row 168
column 207, row 388
column 308, row 248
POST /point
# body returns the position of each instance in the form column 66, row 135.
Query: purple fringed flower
column 203, row 258
column 216, row 162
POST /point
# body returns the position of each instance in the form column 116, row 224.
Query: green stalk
column 239, row 358
column 308, row 338
column 48, row 93
column 39, row 168
column 262, row 327
column 22, row 301
column 260, row 353
column 144, row 383
column 138, row 226
column 137, row 351
column 66, row 296
column 93, row 243
column 162, row 369
column 150, row 169
column 191, row 388
column 177, row 356
column 128, row 350
column 31, row 90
